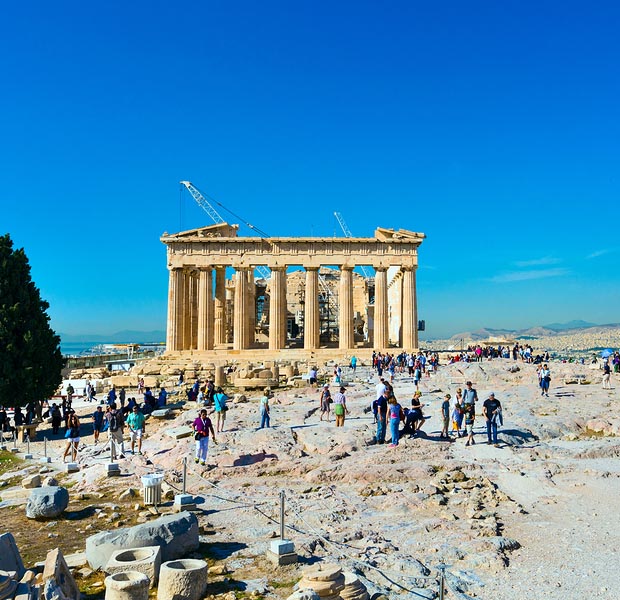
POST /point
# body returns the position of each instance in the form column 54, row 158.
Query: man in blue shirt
column 470, row 395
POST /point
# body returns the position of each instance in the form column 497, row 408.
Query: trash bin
column 151, row 488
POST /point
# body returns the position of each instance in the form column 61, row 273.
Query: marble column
column 277, row 309
column 380, row 341
column 219, row 328
column 408, row 320
column 345, row 309
column 193, row 309
column 173, row 333
column 251, row 308
column 311, row 309
column 205, row 309
column 186, row 315
column 240, row 316
column 416, row 341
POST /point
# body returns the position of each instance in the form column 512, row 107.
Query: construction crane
column 217, row 218
column 347, row 233
column 325, row 294
column 203, row 203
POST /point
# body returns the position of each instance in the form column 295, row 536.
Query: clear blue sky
column 493, row 127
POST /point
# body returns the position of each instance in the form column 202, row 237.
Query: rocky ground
column 534, row 518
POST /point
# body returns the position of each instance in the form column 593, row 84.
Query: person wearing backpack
column 115, row 431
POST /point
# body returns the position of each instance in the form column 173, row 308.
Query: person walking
column 73, row 434
column 56, row 416
column 219, row 400
column 264, row 409
column 112, row 395
column 395, row 415
column 135, row 421
column 544, row 376
column 353, row 364
column 457, row 412
column 97, row 418
column 606, row 376
column 470, row 395
column 492, row 411
column 202, row 428
column 445, row 417
column 340, row 407
column 469, row 408
column 116, row 423
column 70, row 392
column 324, row 401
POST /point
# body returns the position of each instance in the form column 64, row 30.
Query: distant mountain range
column 553, row 329
column 120, row 337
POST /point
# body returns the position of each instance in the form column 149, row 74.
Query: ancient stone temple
column 250, row 293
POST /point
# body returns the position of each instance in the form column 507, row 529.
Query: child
column 445, row 416
column 457, row 412
column 470, row 416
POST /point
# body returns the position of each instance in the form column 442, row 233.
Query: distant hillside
column 552, row 330
column 120, row 337
column 577, row 324
column 484, row 334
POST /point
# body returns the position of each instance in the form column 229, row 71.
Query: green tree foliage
column 30, row 357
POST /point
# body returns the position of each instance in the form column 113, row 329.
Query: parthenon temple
column 242, row 294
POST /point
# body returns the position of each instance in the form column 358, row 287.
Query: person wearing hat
column 325, row 400
column 492, row 411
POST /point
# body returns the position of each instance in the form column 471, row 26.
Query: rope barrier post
column 442, row 576
column 282, row 552
column 14, row 449
column 184, row 501
column 282, row 514
column 112, row 469
column 28, row 455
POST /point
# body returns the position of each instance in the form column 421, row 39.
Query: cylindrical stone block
column 128, row 585
column 184, row 579
column 145, row 560
column 220, row 376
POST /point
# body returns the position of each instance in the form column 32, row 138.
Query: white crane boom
column 215, row 216
column 348, row 234
column 202, row 201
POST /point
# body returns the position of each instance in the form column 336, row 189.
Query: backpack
column 114, row 421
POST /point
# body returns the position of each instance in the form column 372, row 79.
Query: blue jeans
column 380, row 429
column 264, row 419
column 492, row 429
column 394, row 423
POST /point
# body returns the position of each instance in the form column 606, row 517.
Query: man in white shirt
column 381, row 387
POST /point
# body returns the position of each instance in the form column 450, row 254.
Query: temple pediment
column 220, row 230
column 384, row 235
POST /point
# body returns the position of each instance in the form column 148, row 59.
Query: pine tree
column 30, row 357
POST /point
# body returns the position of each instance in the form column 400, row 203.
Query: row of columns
column 197, row 316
